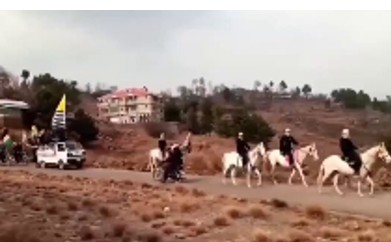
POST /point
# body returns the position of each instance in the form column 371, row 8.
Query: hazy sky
column 164, row 49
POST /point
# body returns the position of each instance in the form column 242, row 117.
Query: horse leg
column 371, row 184
column 233, row 174
column 293, row 173
column 322, row 179
column 248, row 176
column 359, row 192
column 272, row 169
column 225, row 170
column 259, row 174
column 335, row 182
column 301, row 175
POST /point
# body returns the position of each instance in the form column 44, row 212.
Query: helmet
column 240, row 134
column 287, row 130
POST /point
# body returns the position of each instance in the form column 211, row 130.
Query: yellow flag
column 62, row 105
column 59, row 117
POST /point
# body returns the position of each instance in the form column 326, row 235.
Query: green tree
column 88, row 88
column 207, row 117
column 283, row 86
column 227, row 94
column 25, row 75
column 172, row 112
column 257, row 85
column 84, row 126
column 255, row 128
column 306, row 90
column 271, row 85
column 352, row 99
column 192, row 121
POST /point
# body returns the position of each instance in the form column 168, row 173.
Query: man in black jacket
column 349, row 151
column 162, row 144
column 286, row 145
column 242, row 148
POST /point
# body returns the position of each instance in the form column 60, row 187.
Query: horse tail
column 321, row 173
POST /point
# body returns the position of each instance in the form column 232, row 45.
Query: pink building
column 131, row 105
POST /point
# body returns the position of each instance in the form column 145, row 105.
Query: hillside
column 127, row 146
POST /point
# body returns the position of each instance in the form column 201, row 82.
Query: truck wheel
column 61, row 165
column 40, row 164
column 79, row 165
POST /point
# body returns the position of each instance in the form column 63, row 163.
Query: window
column 61, row 147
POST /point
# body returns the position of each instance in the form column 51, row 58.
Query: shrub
column 254, row 127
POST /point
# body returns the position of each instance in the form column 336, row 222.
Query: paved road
column 376, row 206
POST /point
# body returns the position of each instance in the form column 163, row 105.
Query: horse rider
column 349, row 151
column 287, row 142
column 162, row 144
column 242, row 148
column 174, row 162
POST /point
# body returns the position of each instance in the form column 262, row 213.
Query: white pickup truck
column 61, row 154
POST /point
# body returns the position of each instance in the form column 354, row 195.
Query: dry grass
column 86, row 233
column 16, row 233
column 260, row 235
column 72, row 206
column 188, row 206
column 52, row 209
column 184, row 223
column 257, row 211
column 300, row 236
column 181, row 190
column 105, row 211
column 233, row 212
column 221, row 221
column 87, row 202
column 168, row 230
column 300, row 222
column 315, row 212
column 332, row 233
column 367, row 236
column 198, row 230
column 386, row 223
column 146, row 217
column 149, row 237
column 119, row 229
column 277, row 203
column 197, row 193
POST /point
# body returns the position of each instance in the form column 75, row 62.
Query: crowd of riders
column 288, row 143
column 173, row 155
column 12, row 149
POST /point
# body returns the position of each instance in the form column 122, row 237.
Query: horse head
column 312, row 151
column 383, row 154
column 261, row 150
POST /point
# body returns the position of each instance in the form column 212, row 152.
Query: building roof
column 127, row 93
column 8, row 103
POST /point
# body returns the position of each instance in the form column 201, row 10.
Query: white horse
column 156, row 156
column 233, row 161
column 335, row 164
column 275, row 157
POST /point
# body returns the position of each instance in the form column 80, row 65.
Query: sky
column 164, row 49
